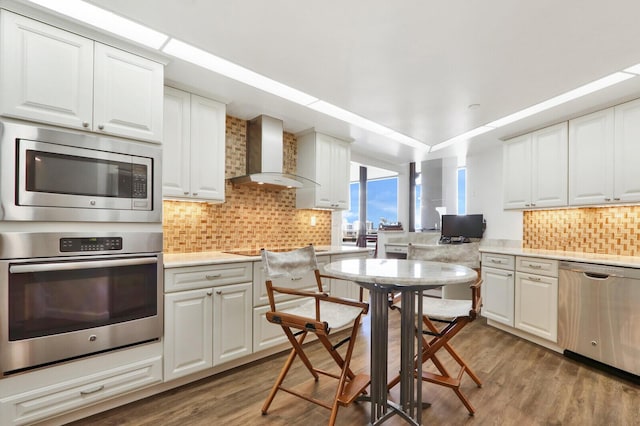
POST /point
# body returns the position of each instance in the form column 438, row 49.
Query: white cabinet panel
column 536, row 305
column 232, row 319
column 325, row 160
column 46, row 73
column 627, row 152
column 207, row 148
column 498, row 295
column 535, row 169
column 176, row 143
column 188, row 333
column 591, row 158
column 194, row 147
column 128, row 94
column 266, row 334
column 343, row 288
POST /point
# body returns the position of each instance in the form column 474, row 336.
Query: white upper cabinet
column 325, row 160
column 591, row 158
column 46, row 73
column 193, row 147
column 626, row 173
column 535, row 169
column 127, row 94
column 52, row 76
column 604, row 148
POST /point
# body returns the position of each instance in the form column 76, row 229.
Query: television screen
column 469, row 226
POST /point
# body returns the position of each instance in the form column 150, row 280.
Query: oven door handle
column 69, row 266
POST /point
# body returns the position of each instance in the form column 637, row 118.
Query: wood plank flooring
column 523, row 384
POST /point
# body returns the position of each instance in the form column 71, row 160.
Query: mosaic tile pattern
column 605, row 230
column 250, row 217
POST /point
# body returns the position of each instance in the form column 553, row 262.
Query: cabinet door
column 536, row 307
column 517, row 172
column 627, row 151
column 340, row 174
column 324, row 170
column 497, row 295
column 591, row 141
column 46, row 74
column 176, row 143
column 232, row 322
column 549, row 167
column 128, row 93
column 188, row 332
column 207, row 148
column 344, row 288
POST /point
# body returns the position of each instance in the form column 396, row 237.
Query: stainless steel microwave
column 53, row 175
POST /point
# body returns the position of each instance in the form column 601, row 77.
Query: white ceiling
column 413, row 65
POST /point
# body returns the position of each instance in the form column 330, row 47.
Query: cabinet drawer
column 494, row 260
column 52, row 400
column 193, row 277
column 534, row 265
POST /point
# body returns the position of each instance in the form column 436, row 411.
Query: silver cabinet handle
column 534, row 278
column 212, row 276
column 534, row 266
column 219, row 292
column 209, row 293
column 496, row 261
column 607, row 199
column 101, row 126
column 85, row 124
column 90, row 391
column 186, row 192
column 195, row 193
column 616, row 199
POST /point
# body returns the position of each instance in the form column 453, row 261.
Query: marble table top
column 401, row 272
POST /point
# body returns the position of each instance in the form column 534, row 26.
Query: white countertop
column 177, row 260
column 604, row 259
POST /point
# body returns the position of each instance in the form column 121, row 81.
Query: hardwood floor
column 523, row 384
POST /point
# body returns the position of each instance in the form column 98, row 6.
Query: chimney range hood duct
column 264, row 157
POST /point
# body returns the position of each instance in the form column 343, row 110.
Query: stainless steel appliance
column 53, row 175
column 67, row 295
column 599, row 315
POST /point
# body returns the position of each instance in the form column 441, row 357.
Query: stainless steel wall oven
column 53, row 175
column 67, row 295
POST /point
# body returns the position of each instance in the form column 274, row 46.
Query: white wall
column 484, row 195
column 450, row 184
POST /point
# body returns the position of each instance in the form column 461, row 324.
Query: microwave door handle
column 69, row 266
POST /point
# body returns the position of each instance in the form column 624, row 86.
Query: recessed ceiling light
column 103, row 19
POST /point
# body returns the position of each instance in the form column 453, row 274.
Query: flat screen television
column 468, row 226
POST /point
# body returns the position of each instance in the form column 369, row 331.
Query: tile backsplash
column 251, row 217
column 605, row 230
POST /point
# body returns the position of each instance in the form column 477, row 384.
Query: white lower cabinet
column 232, row 322
column 46, row 393
column 188, row 332
column 498, row 295
column 522, row 293
column 266, row 334
column 207, row 326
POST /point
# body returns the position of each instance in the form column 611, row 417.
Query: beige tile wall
column 607, row 230
column 250, row 217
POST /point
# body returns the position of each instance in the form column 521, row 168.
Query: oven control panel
column 90, row 244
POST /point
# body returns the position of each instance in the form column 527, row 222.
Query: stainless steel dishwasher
column 599, row 313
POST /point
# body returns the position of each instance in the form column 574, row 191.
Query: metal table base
column 410, row 406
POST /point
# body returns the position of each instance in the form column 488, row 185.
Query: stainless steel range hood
column 264, row 157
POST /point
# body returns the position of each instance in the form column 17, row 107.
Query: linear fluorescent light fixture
column 634, row 69
column 594, row 86
column 588, row 88
column 106, row 20
column 214, row 63
column 468, row 135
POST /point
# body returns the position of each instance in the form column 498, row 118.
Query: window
column 382, row 201
column 462, row 190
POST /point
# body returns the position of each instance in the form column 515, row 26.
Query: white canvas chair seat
column 442, row 309
column 455, row 313
column 335, row 315
column 286, row 273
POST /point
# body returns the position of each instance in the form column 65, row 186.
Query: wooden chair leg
column 296, row 350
